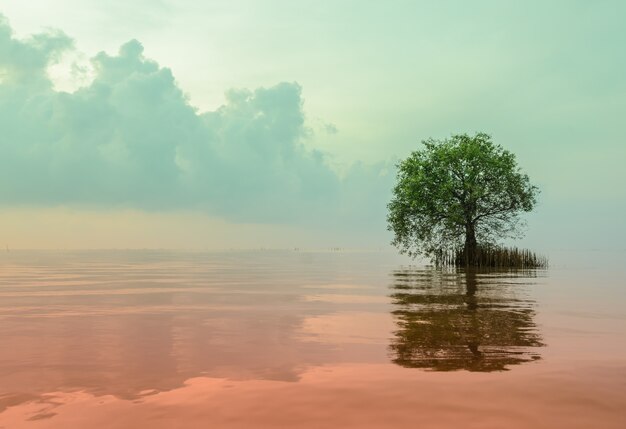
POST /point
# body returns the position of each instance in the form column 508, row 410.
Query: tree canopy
column 462, row 191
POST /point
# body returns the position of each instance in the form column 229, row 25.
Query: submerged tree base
column 492, row 257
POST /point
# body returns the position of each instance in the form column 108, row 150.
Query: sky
column 247, row 124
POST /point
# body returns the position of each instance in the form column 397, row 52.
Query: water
column 309, row 340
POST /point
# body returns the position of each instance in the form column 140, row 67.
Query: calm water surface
column 125, row 339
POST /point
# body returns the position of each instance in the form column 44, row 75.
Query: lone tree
column 462, row 192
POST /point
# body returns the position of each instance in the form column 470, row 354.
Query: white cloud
column 130, row 138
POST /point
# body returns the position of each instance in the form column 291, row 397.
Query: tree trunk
column 470, row 244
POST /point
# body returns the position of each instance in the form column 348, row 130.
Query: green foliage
column 458, row 192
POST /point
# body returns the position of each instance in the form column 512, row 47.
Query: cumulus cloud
column 130, row 138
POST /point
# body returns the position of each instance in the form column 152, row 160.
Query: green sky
column 277, row 123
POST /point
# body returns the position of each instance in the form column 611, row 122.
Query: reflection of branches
column 451, row 321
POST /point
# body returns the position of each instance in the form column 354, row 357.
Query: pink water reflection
column 168, row 340
column 349, row 396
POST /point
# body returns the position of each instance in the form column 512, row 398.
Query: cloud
column 131, row 139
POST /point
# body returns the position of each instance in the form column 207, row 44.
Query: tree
column 462, row 191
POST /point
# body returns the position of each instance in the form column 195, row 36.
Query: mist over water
column 307, row 339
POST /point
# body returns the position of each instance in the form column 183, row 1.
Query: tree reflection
column 458, row 320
